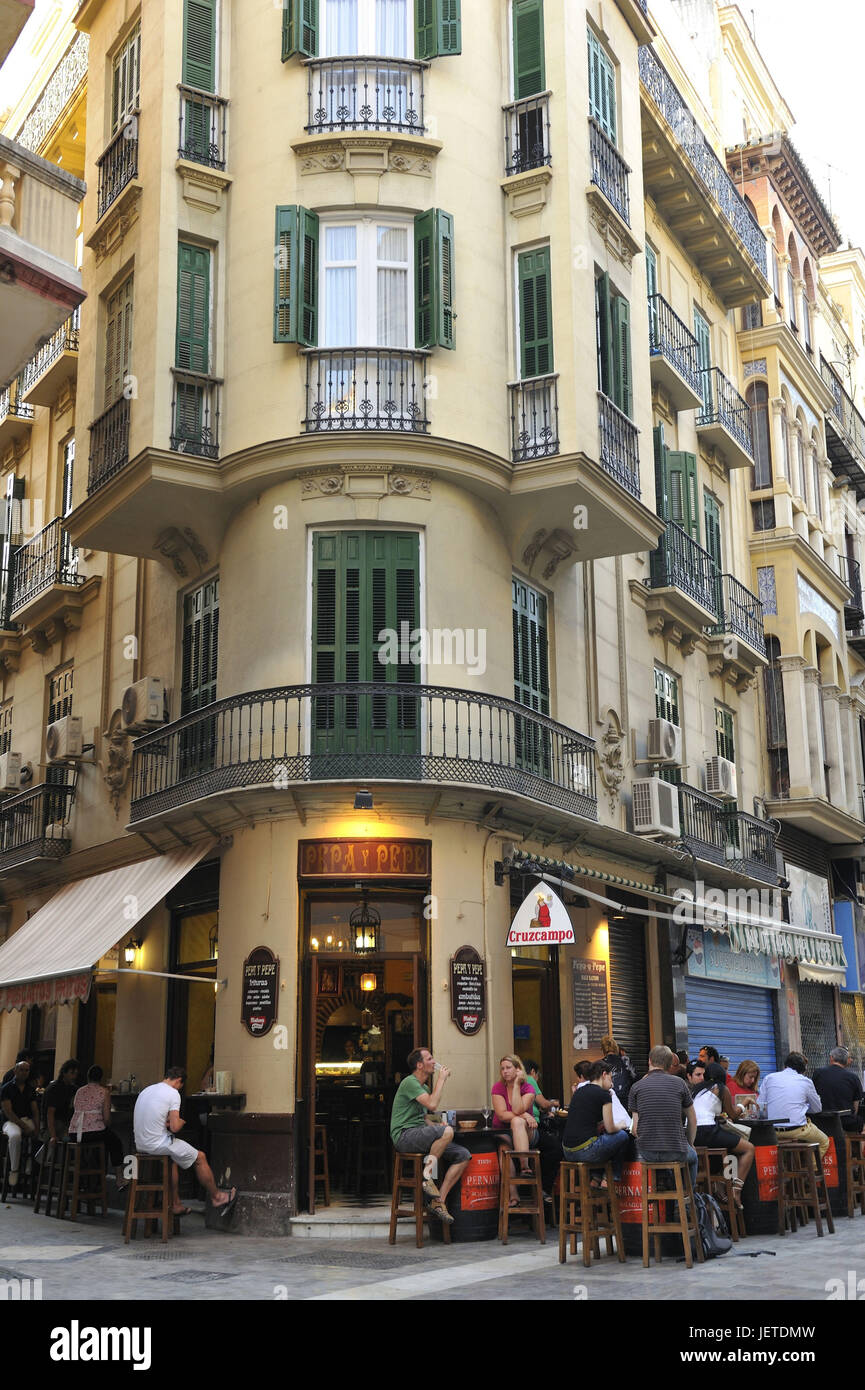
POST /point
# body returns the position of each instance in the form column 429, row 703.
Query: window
column 776, row 278
column 11, row 539
column 69, row 555
column 651, row 271
column 5, row 727
column 602, row 88
column 191, row 426
column 126, row 80
column 383, row 28
column 528, row 28
column 60, row 688
column 118, row 341
column 613, row 344
column 806, row 321
column 818, row 492
column 531, row 674
column 534, row 313
column 785, row 444
column 752, row 316
column 764, row 515
column 712, row 518
column 801, row 485
column 791, row 299
column 676, row 487
column 366, row 274
column 725, row 743
column 757, row 397
column 197, row 746
column 703, row 334
column 667, row 707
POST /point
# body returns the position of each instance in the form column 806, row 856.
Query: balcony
column 48, row 591
column 620, row 449
column 265, row 745
column 725, row 420
column 694, row 193
column 53, row 366
column 527, row 134
column 109, row 445
column 736, row 645
column 721, row 834
column 534, row 418
column 202, row 121
column 854, row 611
column 674, row 356
column 681, row 598
column 352, row 94
column 366, row 389
column 117, row 165
column 35, row 824
column 753, row 843
column 195, row 414
column 609, row 171
column 16, row 418
column 845, row 432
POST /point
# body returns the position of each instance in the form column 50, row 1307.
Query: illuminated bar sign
column 364, row 858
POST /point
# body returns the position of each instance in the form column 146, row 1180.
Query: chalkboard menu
column 590, row 998
column 468, row 990
column 260, row 991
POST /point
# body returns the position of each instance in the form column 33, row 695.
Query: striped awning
column 50, row 958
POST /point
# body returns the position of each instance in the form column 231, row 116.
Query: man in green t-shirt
column 412, row 1132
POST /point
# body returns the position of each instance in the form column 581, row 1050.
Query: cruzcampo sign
column 541, row 920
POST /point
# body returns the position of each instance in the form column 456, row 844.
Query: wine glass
column 487, row 1114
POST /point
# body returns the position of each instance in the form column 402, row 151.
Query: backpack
column 624, row 1077
column 712, row 1226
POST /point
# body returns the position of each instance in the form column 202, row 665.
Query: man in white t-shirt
column 156, row 1121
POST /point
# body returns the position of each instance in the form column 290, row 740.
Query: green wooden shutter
column 621, row 314
column 438, row 28
column 425, row 36
column 651, row 271
column 299, row 28
column 434, row 279
column 606, row 340
column 531, row 662
column 528, row 20
column 703, row 334
column 536, row 324
column 602, row 88
column 682, row 492
column 199, row 44
column 192, row 349
column 725, row 739
column 295, row 292
column 200, row 647
column 712, row 518
column 661, row 501
column 118, row 341
column 449, row 28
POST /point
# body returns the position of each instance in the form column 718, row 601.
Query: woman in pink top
column 91, row 1117
column 513, row 1103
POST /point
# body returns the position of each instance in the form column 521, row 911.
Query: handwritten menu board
column 468, row 990
column 260, row 991
column 590, row 998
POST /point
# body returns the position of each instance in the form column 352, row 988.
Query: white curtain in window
column 391, row 29
column 392, row 287
column 342, row 27
column 340, row 290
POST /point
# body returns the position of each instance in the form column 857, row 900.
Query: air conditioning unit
column 665, row 742
column 143, row 705
column 10, row 773
column 721, row 778
column 65, row 739
column 656, row 806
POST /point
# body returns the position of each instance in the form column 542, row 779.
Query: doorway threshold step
column 344, row 1223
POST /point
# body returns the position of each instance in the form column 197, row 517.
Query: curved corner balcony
column 275, row 741
column 383, row 94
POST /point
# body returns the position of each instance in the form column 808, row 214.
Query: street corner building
column 429, row 479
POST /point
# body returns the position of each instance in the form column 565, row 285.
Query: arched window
column 815, row 474
column 776, row 720
column 807, row 301
column 776, row 248
column 792, row 276
column 757, row 397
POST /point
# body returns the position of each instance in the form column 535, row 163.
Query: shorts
column 717, row 1137
column 421, row 1139
column 181, row 1153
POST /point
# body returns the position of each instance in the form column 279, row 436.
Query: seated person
column 20, row 1114
column 581, row 1071
column 591, row 1108
column 549, row 1142
column 156, row 1121
column 513, row 1104
column 59, row 1099
column 91, row 1118
column 412, row 1131
column 711, row 1134
column 743, row 1090
column 839, row 1088
column 791, row 1094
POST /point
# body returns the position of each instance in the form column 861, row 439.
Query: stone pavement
column 88, row 1260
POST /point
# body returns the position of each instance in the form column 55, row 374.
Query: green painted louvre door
column 434, row 279
column 299, row 28
column 681, row 491
column 438, row 28
column 295, row 276
column 536, row 325
column 199, row 44
column 197, row 745
column 365, row 584
column 602, row 88
column 192, row 352
column 621, row 317
column 528, row 21
column 531, row 676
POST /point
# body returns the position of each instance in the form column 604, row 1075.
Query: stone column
column 851, row 756
column 815, row 732
column 835, row 751
column 798, row 740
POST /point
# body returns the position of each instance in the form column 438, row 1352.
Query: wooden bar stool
column 802, row 1187
column 407, row 1198
column 716, row 1184
column 855, row 1146
column 588, row 1212
column 157, row 1197
column 322, row 1171
column 82, row 1161
column 530, row 1201
column 49, row 1175
column 683, row 1197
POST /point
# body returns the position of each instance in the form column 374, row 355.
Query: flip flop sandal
column 184, row 1211
column 228, row 1207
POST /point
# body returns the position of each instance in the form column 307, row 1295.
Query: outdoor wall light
column 363, row 801
column 213, row 939
column 129, row 950
column 368, row 983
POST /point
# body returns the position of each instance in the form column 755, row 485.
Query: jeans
column 607, row 1148
column 668, row 1156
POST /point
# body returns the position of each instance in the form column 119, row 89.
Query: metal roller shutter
column 817, row 1022
column 630, row 1008
column 737, row 1019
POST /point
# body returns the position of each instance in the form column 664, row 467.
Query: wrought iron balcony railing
column 202, row 127
column 740, row 612
column 11, row 403
column 723, row 405
column 195, row 414
column 702, row 823
column 117, row 165
column 609, row 171
column 681, row 563
column 527, row 134
column 844, row 415
column 534, row 418
column 366, row 389
column 48, row 559
column 64, row 340
column 670, row 337
column 851, row 574
column 702, row 158
column 725, row 835
column 109, row 444
column 331, row 733
column 35, row 824
column 66, row 80
column 752, row 842
column 366, row 94
column 620, row 448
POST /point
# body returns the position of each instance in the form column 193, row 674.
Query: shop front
column 732, row 1000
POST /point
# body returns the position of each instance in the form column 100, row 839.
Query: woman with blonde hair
column 513, row 1104
column 619, row 1065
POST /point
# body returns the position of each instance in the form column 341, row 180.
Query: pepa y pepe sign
column 468, row 990
column 363, row 859
column 260, row 991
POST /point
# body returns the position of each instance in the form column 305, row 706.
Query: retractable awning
column 50, row 959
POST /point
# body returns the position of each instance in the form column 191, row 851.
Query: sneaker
column 548, row 1199
column 439, row 1209
column 430, row 1188
column 13, row 1179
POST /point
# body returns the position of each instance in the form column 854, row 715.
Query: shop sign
column 541, row 920
column 364, row 858
column 65, row 989
column 468, row 990
column 809, row 900
column 260, row 991
column 591, row 1010
column 713, row 958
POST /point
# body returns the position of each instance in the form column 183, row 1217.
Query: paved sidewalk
column 88, row 1260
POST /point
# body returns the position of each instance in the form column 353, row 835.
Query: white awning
column 50, row 958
